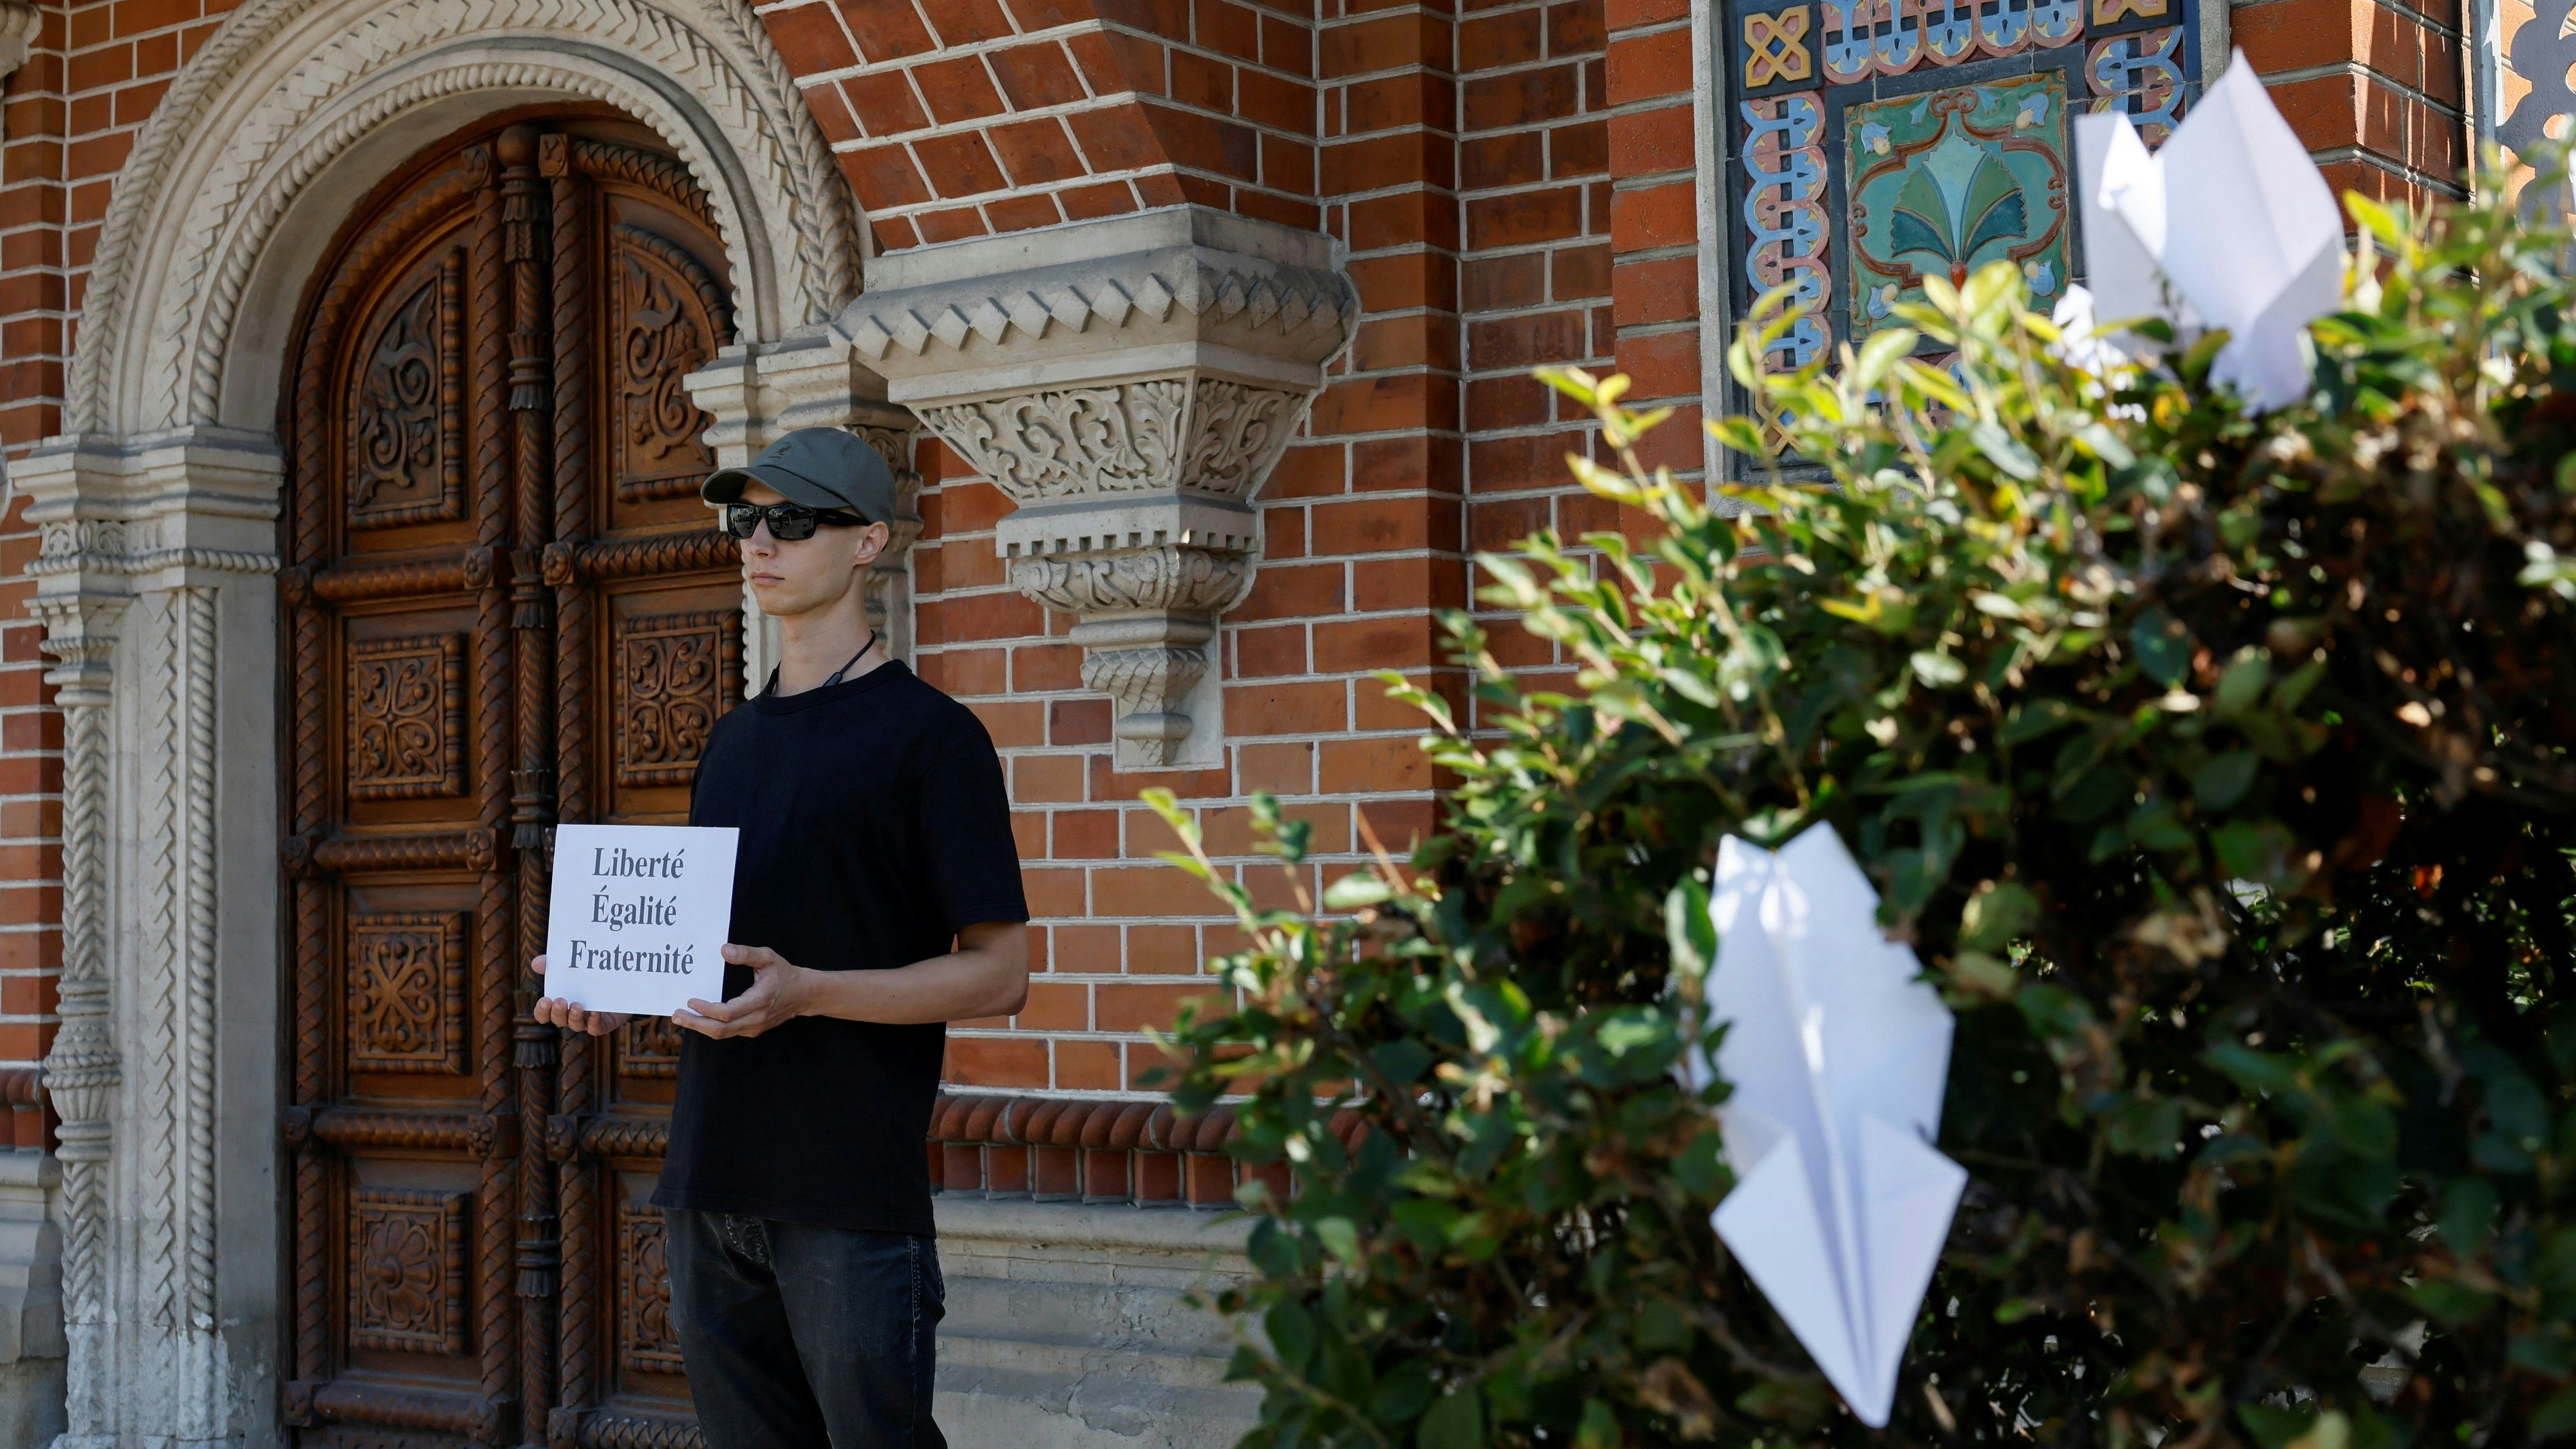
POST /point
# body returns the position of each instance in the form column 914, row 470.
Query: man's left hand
column 777, row 995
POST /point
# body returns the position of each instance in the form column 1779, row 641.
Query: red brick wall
column 1514, row 183
column 67, row 119
column 959, row 118
column 2376, row 90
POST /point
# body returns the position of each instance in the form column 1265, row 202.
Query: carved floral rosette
column 1167, row 578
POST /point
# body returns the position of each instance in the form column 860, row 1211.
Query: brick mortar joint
column 2364, row 70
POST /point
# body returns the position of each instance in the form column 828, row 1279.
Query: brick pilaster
column 2375, row 87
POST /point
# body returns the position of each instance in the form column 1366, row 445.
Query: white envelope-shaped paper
column 1838, row 1055
column 2232, row 214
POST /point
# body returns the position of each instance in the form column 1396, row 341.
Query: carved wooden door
column 505, row 608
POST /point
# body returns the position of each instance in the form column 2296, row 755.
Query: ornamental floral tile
column 1944, row 182
column 1872, row 143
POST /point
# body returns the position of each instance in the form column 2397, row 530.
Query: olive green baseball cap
column 818, row 467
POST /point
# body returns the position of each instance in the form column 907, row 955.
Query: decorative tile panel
column 407, row 717
column 407, row 992
column 1945, row 182
column 645, row 1338
column 675, row 674
column 1784, row 214
column 1775, row 48
column 407, row 1269
column 2140, row 73
column 2111, row 12
column 1875, row 142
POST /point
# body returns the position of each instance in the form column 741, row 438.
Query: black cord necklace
column 855, row 658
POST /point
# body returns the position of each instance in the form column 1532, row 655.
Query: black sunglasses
column 788, row 522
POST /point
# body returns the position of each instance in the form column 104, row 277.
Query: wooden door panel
column 405, row 714
column 666, row 312
column 505, row 608
column 672, row 660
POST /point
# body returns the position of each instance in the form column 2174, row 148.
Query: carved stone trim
column 1129, row 383
column 197, row 201
column 19, row 24
column 757, row 393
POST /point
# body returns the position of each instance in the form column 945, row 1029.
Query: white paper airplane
column 2233, row 215
column 1838, row 1055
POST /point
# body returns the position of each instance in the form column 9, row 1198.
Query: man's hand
column 778, row 993
column 571, row 1016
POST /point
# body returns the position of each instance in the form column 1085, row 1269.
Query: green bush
column 2217, row 767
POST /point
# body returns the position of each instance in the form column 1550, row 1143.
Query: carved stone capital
column 19, row 24
column 1129, row 383
column 756, row 394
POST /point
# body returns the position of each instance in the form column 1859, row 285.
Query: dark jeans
column 805, row 1337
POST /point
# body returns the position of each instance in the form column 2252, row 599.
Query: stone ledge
column 1030, row 1229
column 1069, row 1326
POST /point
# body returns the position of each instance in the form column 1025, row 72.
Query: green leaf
column 2242, row 685
column 2164, row 646
column 1455, row 1420
column 1404, row 1391
column 2453, row 1303
column 1689, row 933
column 2224, row 780
column 1356, row 891
column 2260, row 851
column 1937, row 670
column 1998, row 914
column 2010, row 455
column 1340, row 1237
column 2556, row 1417
column 2149, row 1127
column 2468, row 1215
column 2036, row 718
column 1292, row 1333
column 1879, row 354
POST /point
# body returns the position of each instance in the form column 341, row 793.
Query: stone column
column 153, row 583
column 1129, row 383
column 757, row 393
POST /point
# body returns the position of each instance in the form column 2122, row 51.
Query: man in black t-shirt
column 876, row 896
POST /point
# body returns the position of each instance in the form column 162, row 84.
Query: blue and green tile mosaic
column 1873, row 143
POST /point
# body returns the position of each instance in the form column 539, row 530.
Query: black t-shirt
column 874, row 825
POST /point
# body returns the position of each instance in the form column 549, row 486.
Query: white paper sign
column 640, row 916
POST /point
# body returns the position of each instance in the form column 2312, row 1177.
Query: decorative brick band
column 1094, row 1150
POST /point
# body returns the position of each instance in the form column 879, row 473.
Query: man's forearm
column 987, row 980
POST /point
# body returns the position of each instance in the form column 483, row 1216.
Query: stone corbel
column 19, row 23
column 1129, row 383
column 757, row 393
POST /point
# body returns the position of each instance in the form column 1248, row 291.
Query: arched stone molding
column 157, row 512
column 288, row 87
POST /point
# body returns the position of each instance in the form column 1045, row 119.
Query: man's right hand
column 572, row 1016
